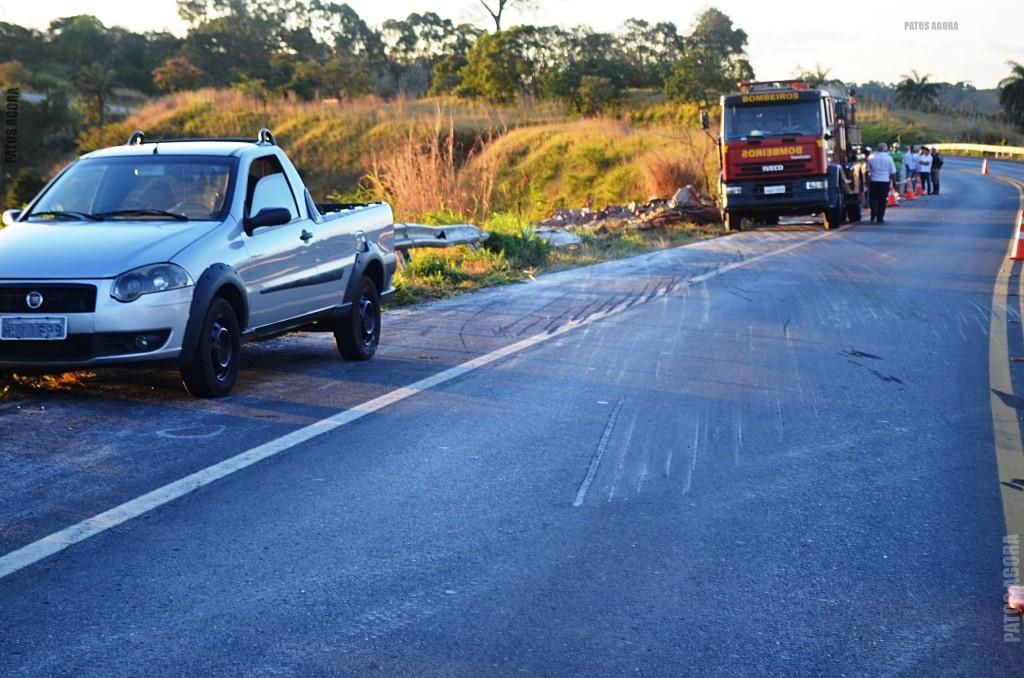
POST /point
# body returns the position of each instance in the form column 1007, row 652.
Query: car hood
column 71, row 249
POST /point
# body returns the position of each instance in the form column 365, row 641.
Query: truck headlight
column 733, row 190
column 816, row 185
column 148, row 279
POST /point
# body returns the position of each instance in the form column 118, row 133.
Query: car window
column 272, row 191
column 267, row 186
column 195, row 187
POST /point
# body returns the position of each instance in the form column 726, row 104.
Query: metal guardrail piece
column 410, row 236
column 980, row 148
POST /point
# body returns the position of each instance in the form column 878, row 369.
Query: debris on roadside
column 557, row 236
column 686, row 205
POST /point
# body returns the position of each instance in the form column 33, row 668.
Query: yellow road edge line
column 1005, row 422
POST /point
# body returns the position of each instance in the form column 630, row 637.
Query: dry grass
column 332, row 143
column 915, row 127
column 597, row 162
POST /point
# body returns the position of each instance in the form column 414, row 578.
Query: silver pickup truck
column 178, row 251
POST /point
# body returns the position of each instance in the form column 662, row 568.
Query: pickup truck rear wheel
column 214, row 368
column 358, row 331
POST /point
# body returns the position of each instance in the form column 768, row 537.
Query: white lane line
column 59, row 541
column 595, row 461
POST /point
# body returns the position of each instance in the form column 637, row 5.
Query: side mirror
column 10, row 216
column 268, row 216
column 828, row 136
column 705, row 121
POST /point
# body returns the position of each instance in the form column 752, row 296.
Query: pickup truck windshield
column 744, row 122
column 141, row 187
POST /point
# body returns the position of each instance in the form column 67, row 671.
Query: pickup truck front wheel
column 214, row 368
column 358, row 331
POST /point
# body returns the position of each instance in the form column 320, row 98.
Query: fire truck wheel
column 833, row 216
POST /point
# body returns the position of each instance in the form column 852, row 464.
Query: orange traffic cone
column 919, row 187
column 909, row 195
column 984, row 166
column 894, row 198
column 1018, row 245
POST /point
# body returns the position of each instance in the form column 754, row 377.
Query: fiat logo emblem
column 34, row 299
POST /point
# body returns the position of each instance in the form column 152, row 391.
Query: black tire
column 357, row 333
column 732, row 222
column 833, row 216
column 214, row 368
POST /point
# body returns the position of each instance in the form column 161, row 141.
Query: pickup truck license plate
column 774, row 190
column 43, row 328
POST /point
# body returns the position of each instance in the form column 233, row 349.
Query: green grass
column 539, row 169
column 915, row 127
column 513, row 254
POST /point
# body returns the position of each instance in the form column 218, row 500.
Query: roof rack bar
column 265, row 136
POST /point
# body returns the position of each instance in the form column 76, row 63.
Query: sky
column 858, row 41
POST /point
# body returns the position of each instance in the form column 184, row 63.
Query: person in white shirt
column 924, row 169
column 881, row 173
column 910, row 162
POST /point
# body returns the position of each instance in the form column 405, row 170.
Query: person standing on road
column 901, row 171
column 936, row 166
column 924, row 169
column 910, row 162
column 881, row 172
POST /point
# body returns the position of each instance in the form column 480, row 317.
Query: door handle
column 306, row 236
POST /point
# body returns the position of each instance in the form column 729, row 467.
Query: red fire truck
column 788, row 149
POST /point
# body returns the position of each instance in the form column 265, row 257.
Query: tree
column 713, row 60
column 594, row 94
column 177, row 74
column 27, row 183
column 346, row 76
column 916, row 91
column 1011, row 93
column 80, row 39
column 496, row 8
column 95, row 82
column 492, row 70
column 648, row 51
column 414, row 46
column 817, row 77
column 13, row 73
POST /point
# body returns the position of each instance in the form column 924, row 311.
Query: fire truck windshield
column 796, row 119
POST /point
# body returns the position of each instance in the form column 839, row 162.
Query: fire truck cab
column 786, row 149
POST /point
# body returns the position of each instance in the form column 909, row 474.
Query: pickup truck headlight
column 733, row 190
column 816, row 185
column 148, row 279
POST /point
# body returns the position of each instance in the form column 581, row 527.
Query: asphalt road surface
column 770, row 454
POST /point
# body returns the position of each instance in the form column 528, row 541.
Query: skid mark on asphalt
column 334, row 419
column 694, row 453
column 599, row 452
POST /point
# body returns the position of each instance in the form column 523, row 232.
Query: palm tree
column 1011, row 93
column 817, row 77
column 916, row 91
column 95, row 82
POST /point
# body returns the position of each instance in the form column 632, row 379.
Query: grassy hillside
column 447, row 154
column 880, row 123
column 333, row 144
column 536, row 170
